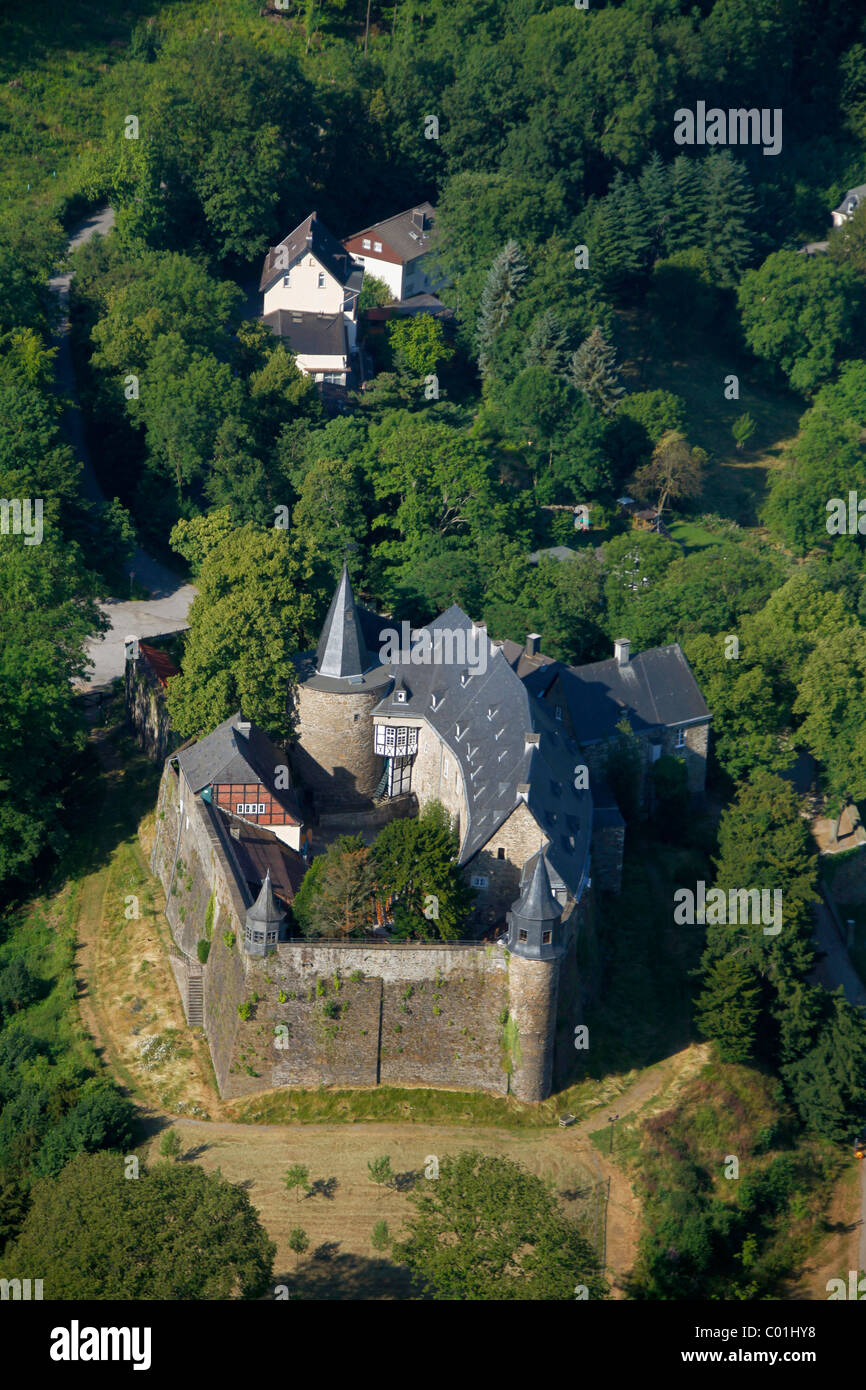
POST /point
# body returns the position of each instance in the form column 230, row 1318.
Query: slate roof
column 856, row 194
column 325, row 247
column 228, row 755
column 311, row 335
column 265, row 909
column 485, row 723
column 342, row 651
column 397, row 232
column 536, row 902
column 656, row 688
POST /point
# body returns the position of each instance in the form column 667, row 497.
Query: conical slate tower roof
column 266, row 909
column 537, row 903
column 342, row 651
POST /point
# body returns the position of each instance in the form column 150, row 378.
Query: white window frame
column 377, row 246
column 680, row 740
column 366, row 243
column 321, row 279
column 479, row 881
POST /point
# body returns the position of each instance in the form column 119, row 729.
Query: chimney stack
column 533, row 642
column 621, row 650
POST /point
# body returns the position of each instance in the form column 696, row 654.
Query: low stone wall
column 147, row 710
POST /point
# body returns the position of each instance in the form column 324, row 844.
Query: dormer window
column 464, row 677
column 400, row 697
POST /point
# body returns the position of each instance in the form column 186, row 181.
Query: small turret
column 263, row 921
column 534, row 919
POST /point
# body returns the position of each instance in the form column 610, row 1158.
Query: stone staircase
column 194, row 996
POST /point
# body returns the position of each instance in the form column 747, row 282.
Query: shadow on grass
column 346, row 1277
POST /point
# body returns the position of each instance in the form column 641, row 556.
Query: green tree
column 299, row 1242
column 338, row 899
column 415, row 863
column 381, row 1237
column 674, row 471
column 593, row 371
column 500, row 291
column 170, row 1144
column 827, row 1082
column 487, row 1229
column 729, row 1006
column 260, row 600
column 830, row 692
column 418, row 343
column 380, row 1171
column 296, row 1178
column 624, row 767
column 177, row 1233
column 802, row 314
column 375, row 294
column 742, row 429
column 547, row 343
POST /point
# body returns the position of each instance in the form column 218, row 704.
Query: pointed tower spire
column 263, row 921
column 342, row 651
column 533, row 922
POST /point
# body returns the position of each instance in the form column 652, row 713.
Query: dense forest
column 608, row 287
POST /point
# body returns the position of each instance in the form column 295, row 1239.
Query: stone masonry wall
column 333, row 754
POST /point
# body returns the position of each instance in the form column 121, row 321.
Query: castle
column 513, row 745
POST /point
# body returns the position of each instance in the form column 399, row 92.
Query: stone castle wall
column 333, row 751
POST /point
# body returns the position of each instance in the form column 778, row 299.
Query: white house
column 398, row 251
column 310, row 287
column 849, row 204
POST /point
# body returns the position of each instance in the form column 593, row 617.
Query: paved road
column 168, row 605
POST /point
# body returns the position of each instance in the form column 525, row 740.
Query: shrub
column 203, row 951
column 282, row 996
column 229, row 939
column 330, row 1008
column 245, row 1009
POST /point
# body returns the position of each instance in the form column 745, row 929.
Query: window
column 377, row 246
column 446, row 769
column 680, row 741
column 355, row 718
column 286, row 281
column 366, row 243
column 391, row 740
column 522, row 934
column 500, row 853
column 321, row 279
column 400, row 697
column 559, row 712
column 251, row 808
column 545, row 938
column 479, row 881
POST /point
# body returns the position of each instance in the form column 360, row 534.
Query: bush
column 203, row 951
column 245, row 1009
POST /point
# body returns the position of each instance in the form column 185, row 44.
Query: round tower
column 263, row 922
column 535, row 948
column 337, row 692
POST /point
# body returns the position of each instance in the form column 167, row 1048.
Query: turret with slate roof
column 263, row 922
column 534, row 919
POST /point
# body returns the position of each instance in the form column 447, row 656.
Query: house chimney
column 621, row 649
column 243, row 727
column 533, row 642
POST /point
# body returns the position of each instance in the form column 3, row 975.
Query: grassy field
column 339, row 1215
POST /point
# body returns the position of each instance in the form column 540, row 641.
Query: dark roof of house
column 402, row 234
column 552, row 552
column 415, row 304
column 655, row 688
column 159, row 662
column 342, row 651
column 237, row 751
column 510, row 748
column 520, row 661
column 536, row 902
column 312, row 335
column 265, row 909
column 256, row 853
column 854, row 194
column 311, row 237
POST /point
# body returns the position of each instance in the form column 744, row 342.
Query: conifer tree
column 547, row 342
column 497, row 299
column 728, row 213
column 655, row 190
column 728, row 1007
column 685, row 225
column 593, row 371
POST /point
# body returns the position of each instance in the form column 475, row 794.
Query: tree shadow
column 348, row 1278
column 405, row 1182
column 323, row 1187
